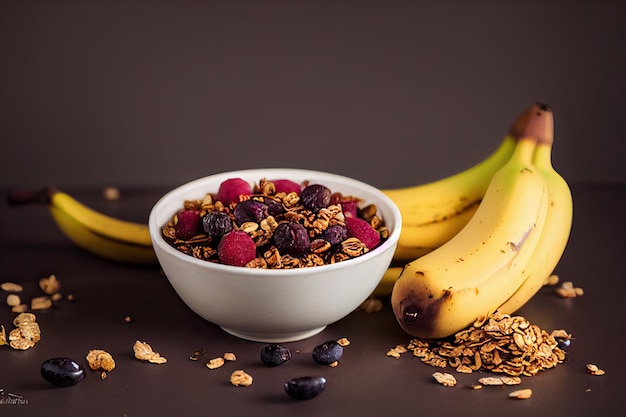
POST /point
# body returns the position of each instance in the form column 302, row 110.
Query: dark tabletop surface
column 366, row 382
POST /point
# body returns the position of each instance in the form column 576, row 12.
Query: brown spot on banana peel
column 536, row 122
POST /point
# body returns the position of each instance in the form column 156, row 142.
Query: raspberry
column 236, row 248
column 287, row 186
column 363, row 231
column 187, row 226
column 230, row 190
column 292, row 238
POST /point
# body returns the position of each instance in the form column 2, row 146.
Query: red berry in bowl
column 230, row 190
column 236, row 248
column 362, row 230
column 187, row 226
column 287, row 186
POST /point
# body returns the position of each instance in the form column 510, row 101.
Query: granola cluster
column 501, row 344
column 321, row 251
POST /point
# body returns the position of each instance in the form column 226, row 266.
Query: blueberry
column 305, row 387
column 335, row 234
column 327, row 352
column 274, row 355
column 250, row 211
column 292, row 238
column 315, row 197
column 62, row 372
column 563, row 343
column 217, row 223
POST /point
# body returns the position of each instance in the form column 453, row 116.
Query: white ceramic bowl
column 269, row 305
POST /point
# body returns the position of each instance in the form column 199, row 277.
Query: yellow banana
column 474, row 272
column 433, row 213
column 105, row 236
column 555, row 234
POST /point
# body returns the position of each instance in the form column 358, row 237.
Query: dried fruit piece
column 236, row 248
column 305, row 387
column 217, row 223
column 62, row 372
column 143, row 351
column 250, row 211
column 292, row 238
column 315, row 197
column 240, row 378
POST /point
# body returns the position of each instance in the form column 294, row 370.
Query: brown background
column 390, row 92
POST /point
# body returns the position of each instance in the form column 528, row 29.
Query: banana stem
column 40, row 195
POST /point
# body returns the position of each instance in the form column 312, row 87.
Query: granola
column 143, row 351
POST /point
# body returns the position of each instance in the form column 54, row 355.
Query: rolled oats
column 49, row 285
column 40, row 303
column 240, row 378
column 501, row 343
column 11, row 287
column 445, row 379
column 230, row 357
column 568, row 290
column 594, row 370
column 521, row 394
column 99, row 359
column 215, row 363
column 143, row 351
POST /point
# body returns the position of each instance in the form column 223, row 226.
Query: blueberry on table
column 305, row 387
column 274, row 355
column 62, row 372
column 327, row 352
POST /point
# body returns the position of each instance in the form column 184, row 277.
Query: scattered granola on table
column 501, row 344
column 240, row 378
column 99, row 359
column 594, row 370
column 26, row 332
column 143, row 351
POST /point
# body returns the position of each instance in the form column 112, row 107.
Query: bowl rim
column 316, row 176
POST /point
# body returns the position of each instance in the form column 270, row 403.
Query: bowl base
column 275, row 337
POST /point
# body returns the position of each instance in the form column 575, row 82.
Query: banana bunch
column 502, row 256
column 105, row 236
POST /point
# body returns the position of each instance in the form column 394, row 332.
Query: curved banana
column 555, row 234
column 433, row 213
column 105, row 236
column 473, row 273
column 106, row 247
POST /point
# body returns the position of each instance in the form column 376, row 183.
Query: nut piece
column 3, row 336
column 49, row 285
column 521, row 394
column 13, row 300
column 215, row 363
column 143, row 351
column 445, row 379
column 40, row 303
column 229, row 356
column 26, row 333
column 594, row 370
column 100, row 359
column 11, row 287
column 240, row 377
column 343, row 341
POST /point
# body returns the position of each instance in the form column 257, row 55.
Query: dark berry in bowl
column 292, row 238
column 275, row 354
column 335, row 234
column 250, row 211
column 236, row 248
column 305, row 387
column 230, row 190
column 187, row 226
column 316, row 197
column 217, row 223
column 327, row 352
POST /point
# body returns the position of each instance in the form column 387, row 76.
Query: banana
column 105, row 236
column 555, row 234
column 434, row 212
column 474, row 272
